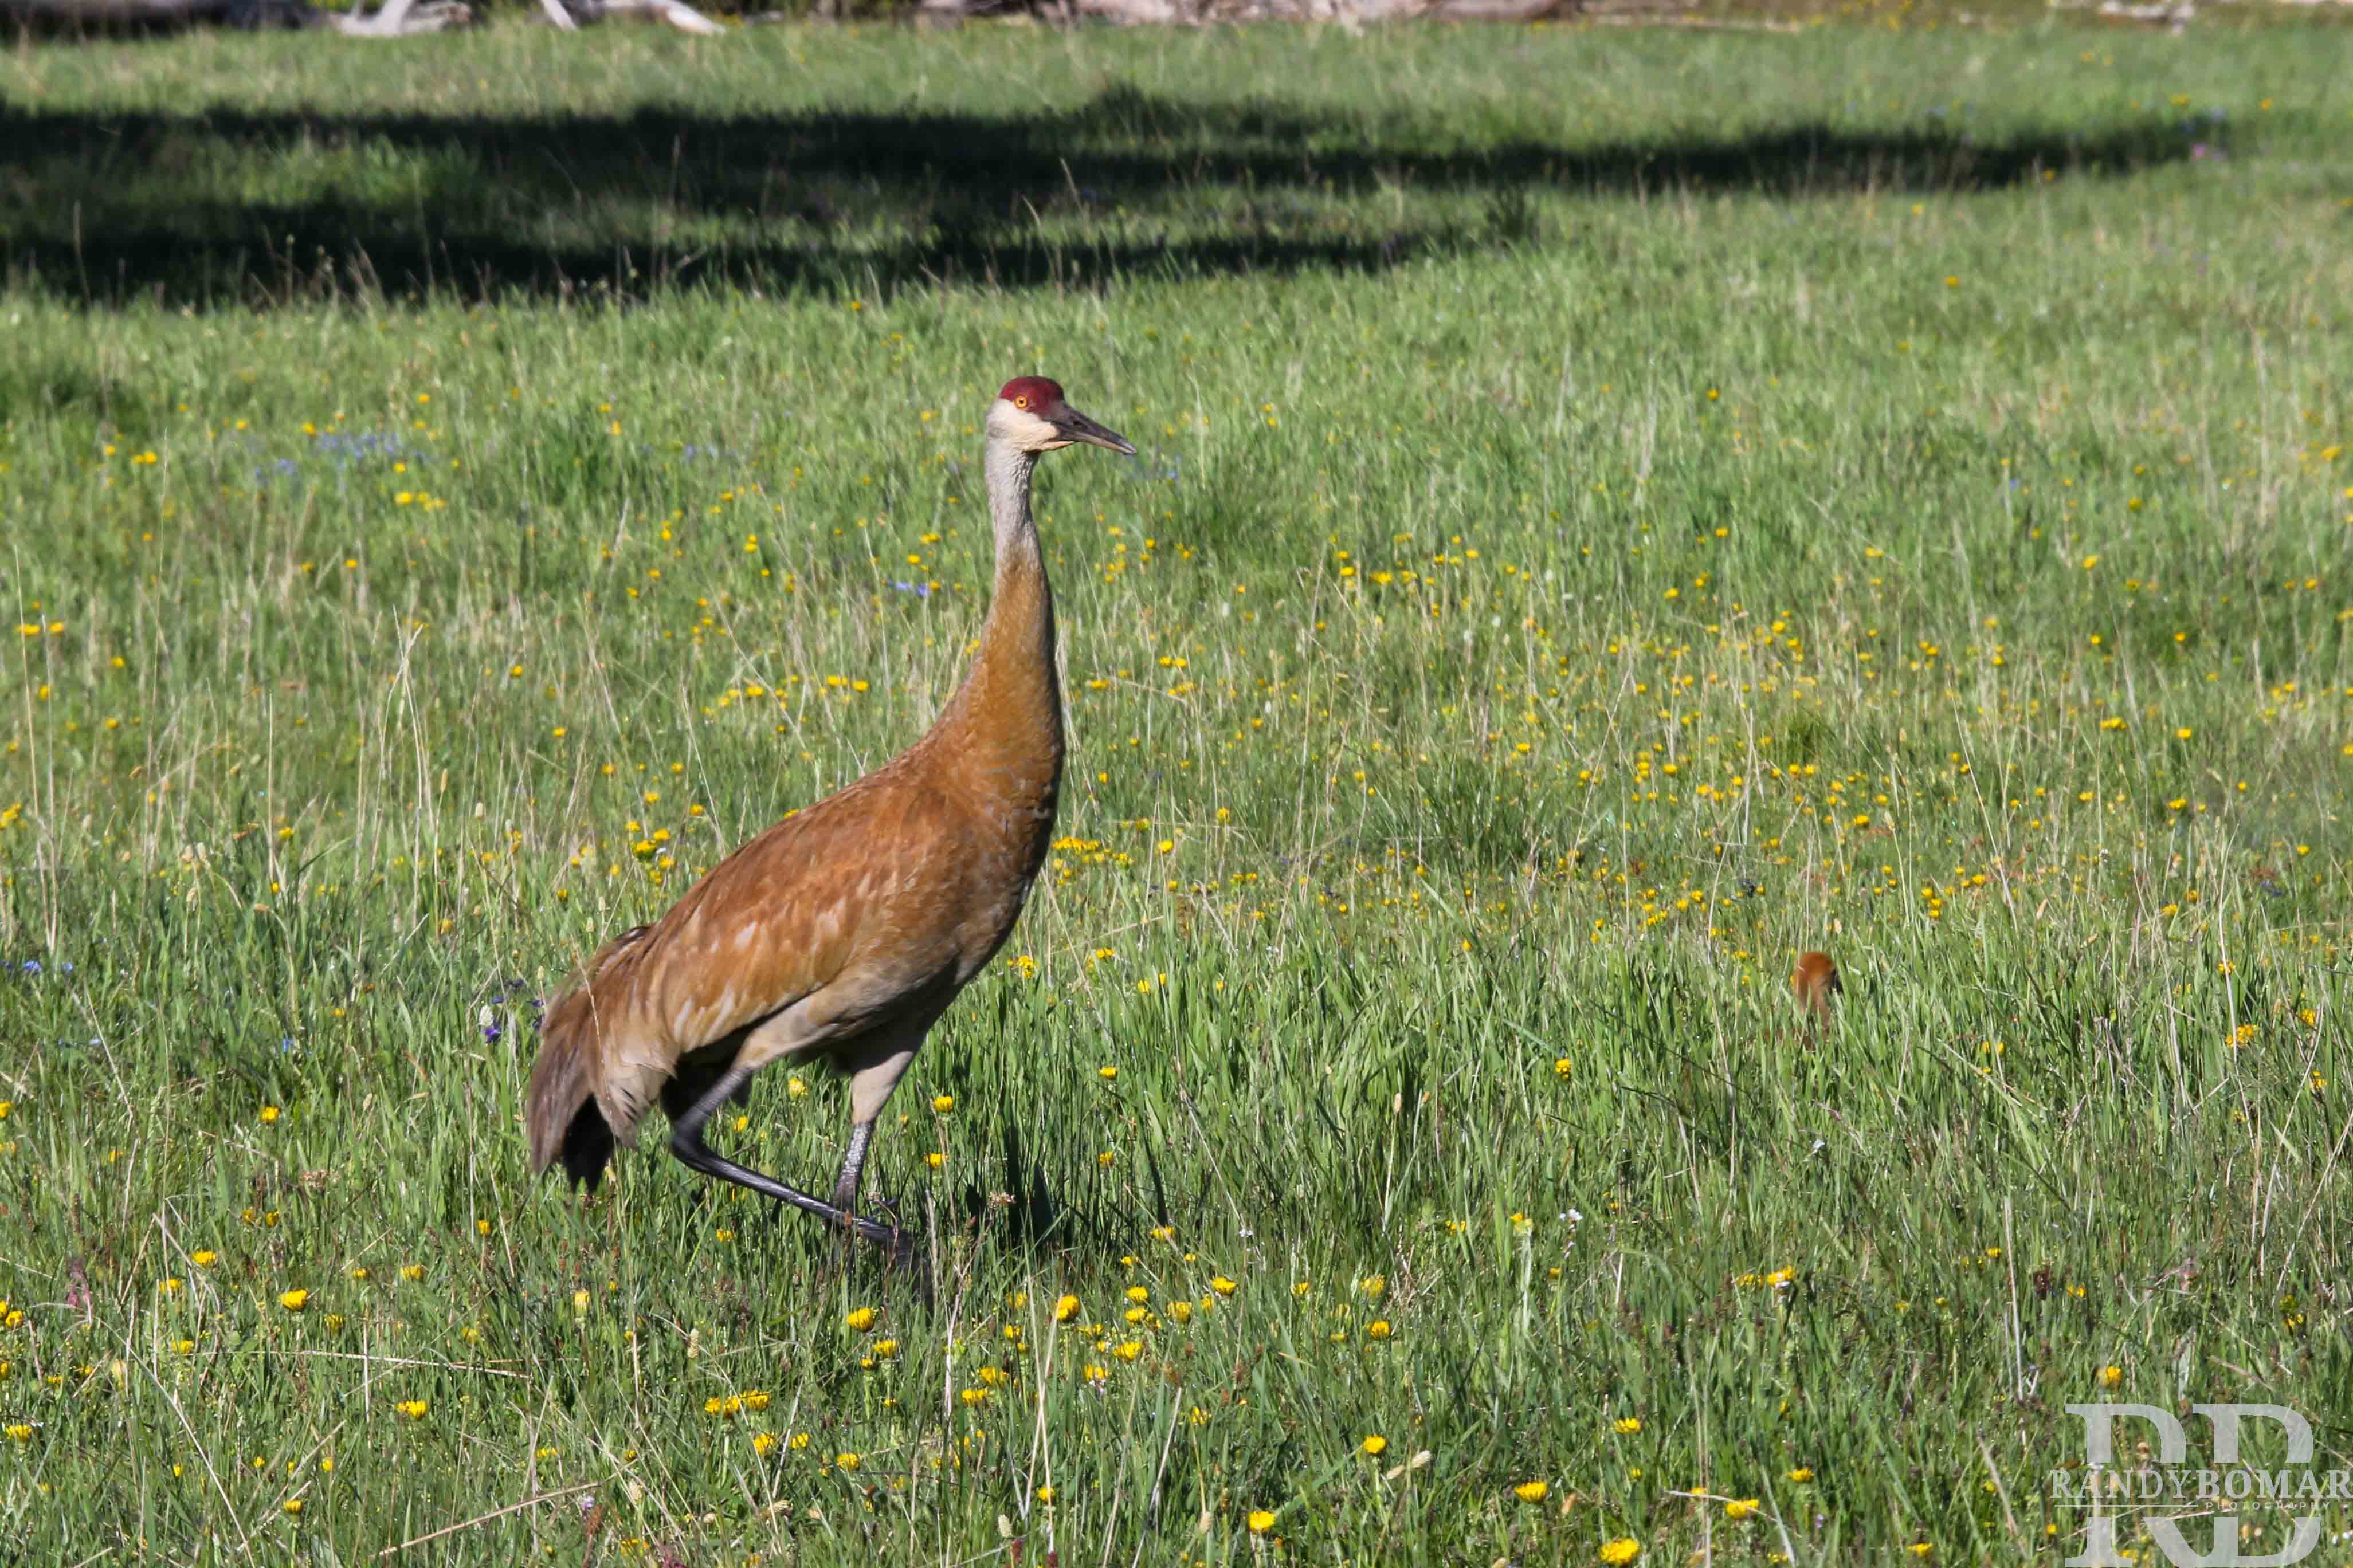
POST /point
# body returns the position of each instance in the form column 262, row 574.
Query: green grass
column 1615, row 510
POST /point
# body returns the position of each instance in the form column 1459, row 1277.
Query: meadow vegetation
column 1616, row 509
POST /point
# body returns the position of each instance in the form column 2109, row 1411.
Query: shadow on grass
column 219, row 205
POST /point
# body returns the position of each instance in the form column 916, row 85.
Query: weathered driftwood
column 1165, row 12
column 392, row 19
column 568, row 14
column 68, row 15
column 403, row 18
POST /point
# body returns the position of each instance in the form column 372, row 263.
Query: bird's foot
column 902, row 1249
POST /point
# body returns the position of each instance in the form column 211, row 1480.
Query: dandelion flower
column 1532, row 1491
column 1801, row 1476
column 294, row 1301
column 1628, row 1425
column 1740, row 1508
column 293, row 1507
column 763, row 1444
column 944, row 1103
column 1374, row 1445
column 414, row 1409
column 1066, row 1308
column 2111, row 1376
column 204, row 1260
column 847, row 1461
column 862, row 1320
column 1107, row 1074
column 1260, row 1521
column 1623, row 1550
column 270, row 1113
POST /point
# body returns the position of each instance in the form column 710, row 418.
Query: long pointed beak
column 1073, row 426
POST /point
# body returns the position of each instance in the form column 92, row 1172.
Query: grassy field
column 1616, row 509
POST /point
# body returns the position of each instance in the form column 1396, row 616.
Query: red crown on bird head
column 1032, row 393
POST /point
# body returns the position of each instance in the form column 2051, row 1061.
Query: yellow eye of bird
column 1022, row 401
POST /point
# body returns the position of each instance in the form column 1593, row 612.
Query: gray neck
column 1006, row 469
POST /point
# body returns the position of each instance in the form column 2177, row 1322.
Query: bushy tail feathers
column 560, row 1109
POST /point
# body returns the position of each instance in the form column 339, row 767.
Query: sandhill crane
column 844, row 931
column 1815, row 980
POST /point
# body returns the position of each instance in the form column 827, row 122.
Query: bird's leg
column 853, row 1164
column 686, row 1143
column 845, row 1195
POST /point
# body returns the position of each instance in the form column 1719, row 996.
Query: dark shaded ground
column 108, row 207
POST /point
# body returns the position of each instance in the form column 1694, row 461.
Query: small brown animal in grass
column 1815, row 980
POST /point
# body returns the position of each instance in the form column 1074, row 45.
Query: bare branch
column 405, row 19
column 685, row 18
